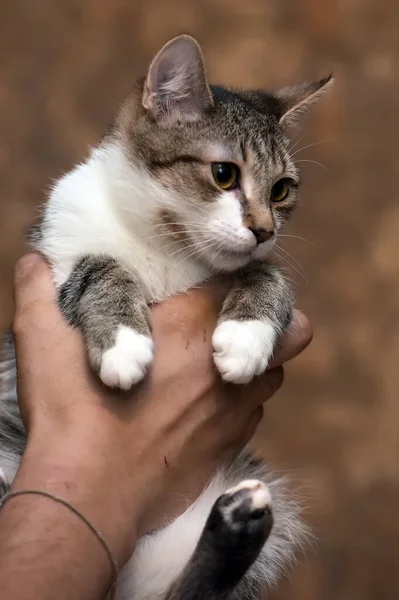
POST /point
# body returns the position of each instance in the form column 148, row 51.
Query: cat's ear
column 292, row 102
column 176, row 86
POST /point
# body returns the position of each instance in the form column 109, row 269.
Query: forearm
column 47, row 551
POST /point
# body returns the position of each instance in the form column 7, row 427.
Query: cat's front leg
column 255, row 313
column 104, row 301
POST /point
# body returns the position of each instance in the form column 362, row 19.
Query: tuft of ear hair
column 176, row 87
column 293, row 101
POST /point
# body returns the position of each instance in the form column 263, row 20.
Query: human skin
column 128, row 462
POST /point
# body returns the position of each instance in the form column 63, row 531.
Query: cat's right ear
column 176, row 87
column 292, row 102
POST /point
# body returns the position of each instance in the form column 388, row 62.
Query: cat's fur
column 143, row 219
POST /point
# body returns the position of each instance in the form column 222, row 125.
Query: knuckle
column 27, row 316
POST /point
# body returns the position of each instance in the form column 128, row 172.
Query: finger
column 245, row 433
column 260, row 390
column 46, row 346
column 269, row 383
column 33, row 282
column 297, row 337
column 38, row 319
column 192, row 314
column 254, row 421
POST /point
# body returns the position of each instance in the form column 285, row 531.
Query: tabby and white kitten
column 190, row 181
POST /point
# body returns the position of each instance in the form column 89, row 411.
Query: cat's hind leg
column 236, row 530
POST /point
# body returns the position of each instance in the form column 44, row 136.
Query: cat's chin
column 230, row 261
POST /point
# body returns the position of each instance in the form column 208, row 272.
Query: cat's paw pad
column 246, row 503
column 127, row 361
column 243, row 349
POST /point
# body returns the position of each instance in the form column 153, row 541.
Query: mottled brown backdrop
column 64, row 66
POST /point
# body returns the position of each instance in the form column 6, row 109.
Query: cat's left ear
column 176, row 87
column 292, row 102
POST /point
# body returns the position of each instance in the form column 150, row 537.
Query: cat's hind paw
column 127, row 361
column 243, row 349
column 246, row 503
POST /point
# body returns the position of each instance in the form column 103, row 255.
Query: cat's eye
column 225, row 175
column 280, row 190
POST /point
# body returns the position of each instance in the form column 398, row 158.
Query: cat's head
column 224, row 155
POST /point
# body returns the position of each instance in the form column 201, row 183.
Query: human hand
column 126, row 460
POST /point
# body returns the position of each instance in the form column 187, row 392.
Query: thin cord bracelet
column 95, row 531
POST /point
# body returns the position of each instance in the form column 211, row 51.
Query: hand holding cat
column 111, row 455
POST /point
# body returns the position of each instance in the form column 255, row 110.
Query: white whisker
column 295, row 237
column 314, row 162
column 293, row 258
column 290, row 264
column 290, row 149
column 309, row 146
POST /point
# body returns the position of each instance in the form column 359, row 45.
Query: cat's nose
column 261, row 234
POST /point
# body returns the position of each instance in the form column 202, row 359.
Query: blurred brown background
column 65, row 65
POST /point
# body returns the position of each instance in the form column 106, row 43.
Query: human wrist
column 81, row 470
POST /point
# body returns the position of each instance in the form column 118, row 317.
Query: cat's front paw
column 243, row 349
column 127, row 361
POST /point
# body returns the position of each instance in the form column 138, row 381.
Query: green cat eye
column 225, row 175
column 280, row 190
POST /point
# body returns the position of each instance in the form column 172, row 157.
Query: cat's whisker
column 291, row 148
column 184, row 247
column 314, row 162
column 280, row 257
column 170, row 234
column 219, row 249
column 301, row 275
column 308, row 146
column 295, row 237
column 292, row 258
column 177, row 224
column 198, row 246
column 199, row 250
column 169, row 246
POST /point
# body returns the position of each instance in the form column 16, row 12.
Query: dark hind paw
column 247, row 508
column 236, row 530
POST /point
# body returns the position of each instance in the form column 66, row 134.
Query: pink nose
column 261, row 234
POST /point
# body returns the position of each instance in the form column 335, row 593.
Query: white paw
column 127, row 361
column 243, row 349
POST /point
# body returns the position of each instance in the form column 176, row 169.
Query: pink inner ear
column 298, row 99
column 176, row 80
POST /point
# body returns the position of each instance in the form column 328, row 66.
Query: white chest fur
column 105, row 206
